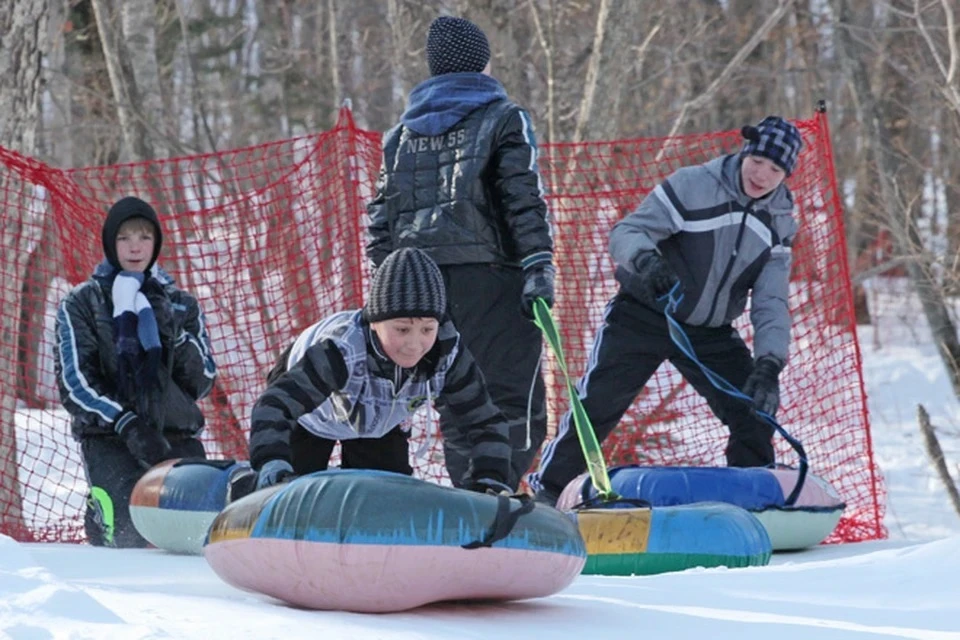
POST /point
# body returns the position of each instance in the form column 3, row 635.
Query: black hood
column 120, row 212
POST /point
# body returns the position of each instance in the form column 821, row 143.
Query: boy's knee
column 107, row 524
column 752, row 451
column 184, row 446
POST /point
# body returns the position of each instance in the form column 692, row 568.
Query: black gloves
column 763, row 385
column 273, row 472
column 146, row 443
column 491, row 486
column 537, row 283
column 655, row 276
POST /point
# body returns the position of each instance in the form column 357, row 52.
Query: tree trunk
column 23, row 39
column 136, row 138
column 56, row 145
column 93, row 132
column 593, row 71
column 334, row 58
column 905, row 237
column 400, row 42
column 137, row 18
column 749, row 47
column 932, row 444
column 275, row 56
column 951, row 193
column 546, row 39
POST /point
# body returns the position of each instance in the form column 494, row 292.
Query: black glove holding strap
column 655, row 275
column 537, row 283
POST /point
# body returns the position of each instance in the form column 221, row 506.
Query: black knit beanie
column 456, row 45
column 407, row 285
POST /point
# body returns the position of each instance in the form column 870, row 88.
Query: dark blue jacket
column 85, row 357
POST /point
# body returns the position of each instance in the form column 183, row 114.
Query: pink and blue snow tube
column 804, row 521
column 373, row 541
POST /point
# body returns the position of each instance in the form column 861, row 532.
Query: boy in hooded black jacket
column 460, row 180
column 132, row 359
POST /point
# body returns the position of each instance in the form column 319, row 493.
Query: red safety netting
column 270, row 239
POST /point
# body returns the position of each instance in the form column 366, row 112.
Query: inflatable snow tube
column 374, row 541
column 806, row 522
column 645, row 541
column 173, row 504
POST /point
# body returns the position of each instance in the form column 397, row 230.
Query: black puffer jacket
column 86, row 361
column 460, row 180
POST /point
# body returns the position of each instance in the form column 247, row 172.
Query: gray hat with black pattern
column 407, row 285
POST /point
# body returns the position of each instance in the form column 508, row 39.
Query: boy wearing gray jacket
column 723, row 230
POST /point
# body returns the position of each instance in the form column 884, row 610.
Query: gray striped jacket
column 722, row 245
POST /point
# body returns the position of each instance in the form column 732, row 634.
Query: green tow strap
column 588, row 439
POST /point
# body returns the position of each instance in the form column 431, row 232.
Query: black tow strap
column 504, row 521
column 216, row 464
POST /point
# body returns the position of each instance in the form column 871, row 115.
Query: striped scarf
column 137, row 338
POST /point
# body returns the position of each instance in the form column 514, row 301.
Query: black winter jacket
column 86, row 361
column 460, row 179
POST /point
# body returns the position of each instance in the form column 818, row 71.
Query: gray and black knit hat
column 407, row 285
column 775, row 139
column 456, row 45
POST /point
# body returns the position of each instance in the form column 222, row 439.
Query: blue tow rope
column 679, row 337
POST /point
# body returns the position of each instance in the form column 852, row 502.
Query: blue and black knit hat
column 456, row 45
column 407, row 285
column 774, row 138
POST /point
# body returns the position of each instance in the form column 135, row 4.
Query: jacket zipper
column 733, row 256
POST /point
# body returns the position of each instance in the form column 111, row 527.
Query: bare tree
column 936, row 24
column 336, row 89
column 546, row 38
column 702, row 99
column 932, row 445
column 38, row 270
column 23, row 40
column 593, row 71
column 135, row 135
column 137, row 18
column 895, row 210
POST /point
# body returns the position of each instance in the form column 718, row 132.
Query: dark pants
column 112, row 472
column 484, row 304
column 632, row 343
column 312, row 453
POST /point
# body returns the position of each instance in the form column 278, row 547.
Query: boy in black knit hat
column 460, row 180
column 357, row 376
column 132, row 359
column 723, row 230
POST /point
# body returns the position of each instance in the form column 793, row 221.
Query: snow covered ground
column 904, row 587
